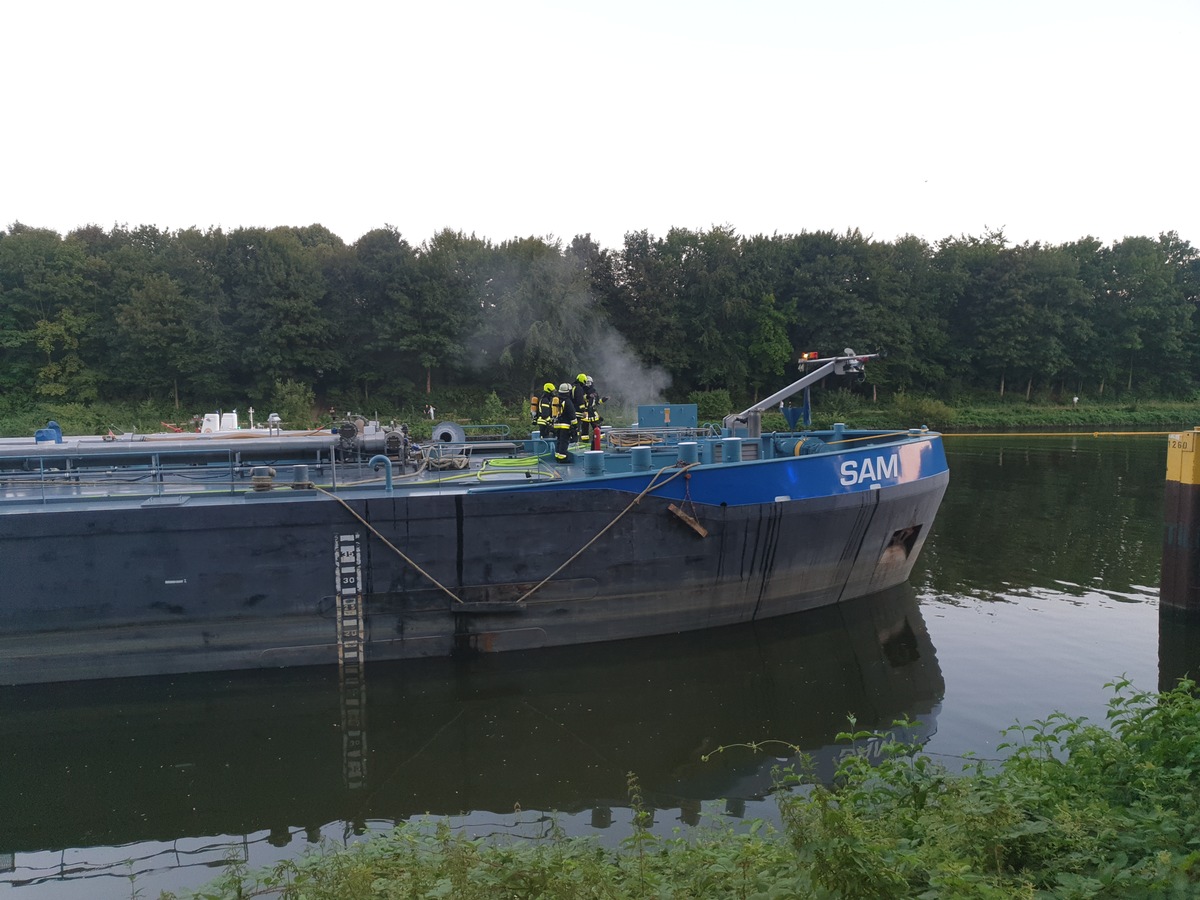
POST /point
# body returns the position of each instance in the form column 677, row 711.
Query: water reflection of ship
column 1178, row 650
column 104, row 763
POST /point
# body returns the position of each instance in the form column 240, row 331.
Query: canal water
column 1037, row 587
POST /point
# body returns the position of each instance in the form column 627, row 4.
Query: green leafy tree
column 278, row 326
column 985, row 340
column 1150, row 313
column 722, row 321
column 64, row 375
column 447, row 303
column 845, row 296
column 204, row 316
column 1089, row 340
column 770, row 313
column 163, row 330
column 1056, row 296
column 160, row 312
column 649, row 308
column 911, row 326
column 44, row 315
column 770, row 348
column 377, row 316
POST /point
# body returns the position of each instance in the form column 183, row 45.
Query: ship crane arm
column 849, row 364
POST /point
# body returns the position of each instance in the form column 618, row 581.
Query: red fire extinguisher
column 596, row 438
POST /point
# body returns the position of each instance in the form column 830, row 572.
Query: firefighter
column 565, row 423
column 579, row 398
column 547, row 409
column 578, row 391
column 590, row 416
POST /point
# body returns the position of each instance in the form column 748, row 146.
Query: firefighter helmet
column 548, row 387
column 581, row 378
column 564, row 388
column 588, row 381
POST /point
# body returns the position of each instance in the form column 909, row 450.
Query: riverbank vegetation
column 193, row 321
column 22, row 419
column 1076, row 810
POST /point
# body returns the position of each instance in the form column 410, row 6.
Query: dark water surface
column 1038, row 585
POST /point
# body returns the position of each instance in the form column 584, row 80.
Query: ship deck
column 170, row 470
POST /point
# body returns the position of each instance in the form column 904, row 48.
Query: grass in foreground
column 1078, row 810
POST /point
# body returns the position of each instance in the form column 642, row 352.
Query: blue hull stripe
column 769, row 480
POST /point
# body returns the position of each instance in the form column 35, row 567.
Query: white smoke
column 621, row 376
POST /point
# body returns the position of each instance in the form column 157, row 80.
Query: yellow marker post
column 1179, row 591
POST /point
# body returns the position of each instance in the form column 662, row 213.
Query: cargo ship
column 202, row 553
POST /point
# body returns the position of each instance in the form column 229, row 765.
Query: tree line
column 214, row 317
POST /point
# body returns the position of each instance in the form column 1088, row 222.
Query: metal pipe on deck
column 84, row 453
column 382, row 461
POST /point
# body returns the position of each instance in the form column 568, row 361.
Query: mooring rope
column 375, row 531
column 652, row 485
column 873, row 436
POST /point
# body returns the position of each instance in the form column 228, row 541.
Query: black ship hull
column 204, row 583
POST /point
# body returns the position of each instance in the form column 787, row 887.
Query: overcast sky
column 1049, row 120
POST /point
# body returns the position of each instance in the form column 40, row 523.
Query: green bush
column 914, row 411
column 1077, row 810
column 295, row 403
column 712, row 406
column 492, row 410
column 87, row 418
